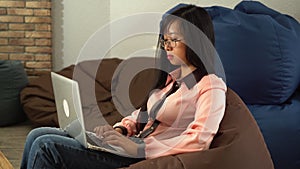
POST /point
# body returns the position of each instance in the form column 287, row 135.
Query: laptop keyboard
column 96, row 141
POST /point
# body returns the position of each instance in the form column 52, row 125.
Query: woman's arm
column 129, row 123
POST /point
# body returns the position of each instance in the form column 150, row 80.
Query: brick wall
column 25, row 34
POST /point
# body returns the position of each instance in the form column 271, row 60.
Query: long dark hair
column 197, row 28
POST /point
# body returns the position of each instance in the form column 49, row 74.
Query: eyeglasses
column 171, row 42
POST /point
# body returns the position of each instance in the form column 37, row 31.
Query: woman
column 185, row 111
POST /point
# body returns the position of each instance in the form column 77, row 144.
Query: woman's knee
column 48, row 140
column 46, row 143
column 42, row 140
column 43, row 151
column 53, row 146
column 37, row 132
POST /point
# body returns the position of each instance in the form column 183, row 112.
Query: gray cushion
column 13, row 79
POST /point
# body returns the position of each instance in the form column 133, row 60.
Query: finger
column 107, row 128
column 111, row 132
column 97, row 129
column 101, row 129
column 113, row 142
column 119, row 142
column 113, row 135
column 112, row 139
column 123, row 142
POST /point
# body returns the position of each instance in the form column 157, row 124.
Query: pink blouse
column 189, row 118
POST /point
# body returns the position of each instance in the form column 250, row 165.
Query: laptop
column 70, row 116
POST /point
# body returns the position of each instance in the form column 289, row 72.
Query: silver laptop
column 70, row 116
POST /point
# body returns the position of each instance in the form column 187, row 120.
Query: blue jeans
column 48, row 147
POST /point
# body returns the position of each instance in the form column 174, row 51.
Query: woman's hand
column 115, row 138
column 99, row 130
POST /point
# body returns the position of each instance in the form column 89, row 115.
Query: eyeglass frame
column 164, row 43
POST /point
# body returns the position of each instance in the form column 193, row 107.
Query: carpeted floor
column 12, row 139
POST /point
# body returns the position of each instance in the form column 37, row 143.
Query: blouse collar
column 191, row 79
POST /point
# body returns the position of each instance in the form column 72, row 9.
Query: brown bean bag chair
column 238, row 144
column 95, row 79
column 38, row 101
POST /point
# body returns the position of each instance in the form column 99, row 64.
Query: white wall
column 121, row 8
column 81, row 18
column 74, row 21
column 139, row 44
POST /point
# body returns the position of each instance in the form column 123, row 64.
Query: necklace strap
column 154, row 110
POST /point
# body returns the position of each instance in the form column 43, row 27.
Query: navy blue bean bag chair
column 260, row 51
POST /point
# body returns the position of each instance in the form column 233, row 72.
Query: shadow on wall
column 58, row 38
